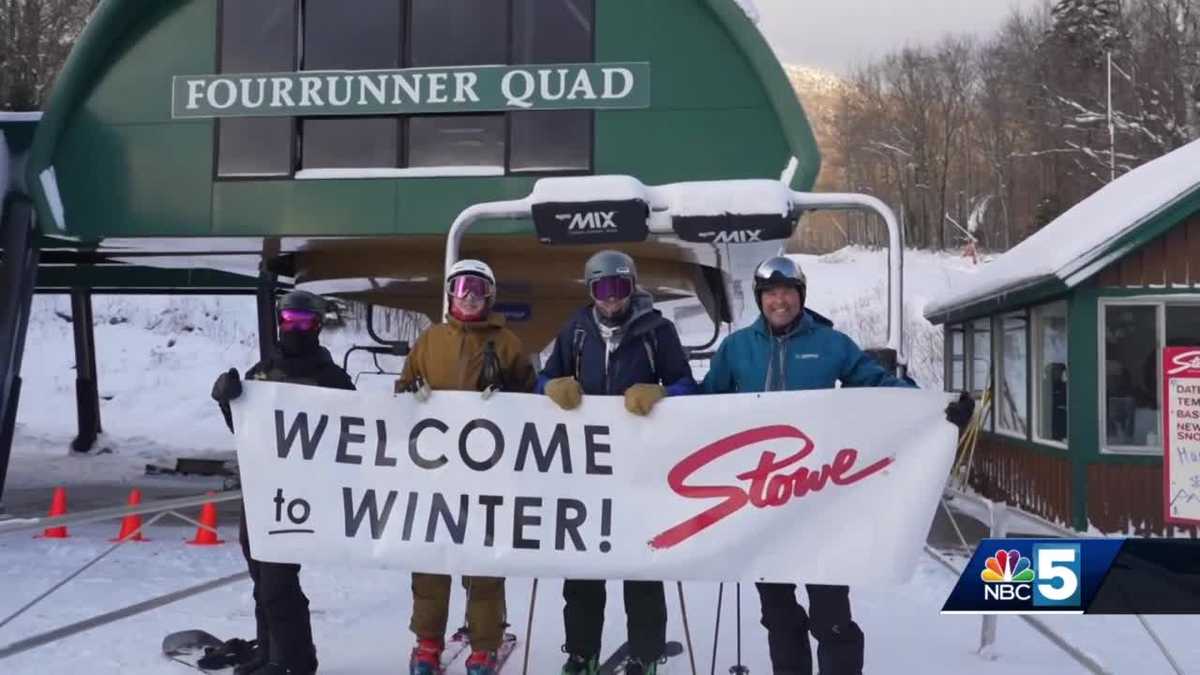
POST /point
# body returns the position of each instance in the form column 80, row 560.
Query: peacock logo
column 1007, row 567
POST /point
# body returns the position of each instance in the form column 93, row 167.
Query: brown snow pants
column 485, row 608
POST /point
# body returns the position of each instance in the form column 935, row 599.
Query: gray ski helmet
column 302, row 300
column 776, row 271
column 609, row 263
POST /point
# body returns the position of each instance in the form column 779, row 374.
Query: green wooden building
column 214, row 146
column 1066, row 331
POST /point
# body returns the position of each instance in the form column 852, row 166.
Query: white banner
column 832, row 486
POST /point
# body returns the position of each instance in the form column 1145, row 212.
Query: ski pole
column 687, row 632
column 717, row 629
column 739, row 669
column 529, row 628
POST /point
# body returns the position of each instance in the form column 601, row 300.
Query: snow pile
column 1066, row 246
column 718, row 198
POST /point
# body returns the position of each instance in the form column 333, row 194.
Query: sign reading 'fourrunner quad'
column 412, row 90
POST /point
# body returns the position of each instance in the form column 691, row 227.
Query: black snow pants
column 840, row 640
column 645, row 617
column 280, row 610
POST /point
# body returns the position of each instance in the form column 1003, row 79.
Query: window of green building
column 1050, row 372
column 958, row 355
column 1134, row 332
column 1012, row 375
column 380, row 34
column 371, row 36
column 257, row 37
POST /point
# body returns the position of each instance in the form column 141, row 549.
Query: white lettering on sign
column 195, row 93
column 1185, row 361
column 464, row 87
column 1181, row 433
column 595, row 220
column 521, row 100
column 610, row 78
column 738, row 236
column 376, row 86
column 281, row 92
column 230, row 91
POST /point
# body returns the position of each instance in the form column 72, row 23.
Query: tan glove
column 565, row 392
column 640, row 398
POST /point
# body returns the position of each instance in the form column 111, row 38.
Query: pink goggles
column 469, row 284
column 298, row 320
column 611, row 288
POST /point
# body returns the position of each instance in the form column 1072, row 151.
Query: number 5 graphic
column 1058, row 568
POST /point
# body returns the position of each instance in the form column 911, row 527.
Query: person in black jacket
column 618, row 345
column 284, row 631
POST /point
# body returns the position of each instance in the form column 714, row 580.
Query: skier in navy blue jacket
column 791, row 348
column 618, row 345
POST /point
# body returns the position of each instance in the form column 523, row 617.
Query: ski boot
column 639, row 667
column 426, row 658
column 577, row 664
column 482, row 662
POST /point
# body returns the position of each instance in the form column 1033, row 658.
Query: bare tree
column 35, row 38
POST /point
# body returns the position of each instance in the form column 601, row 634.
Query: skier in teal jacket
column 791, row 348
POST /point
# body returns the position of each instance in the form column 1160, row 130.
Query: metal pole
column 18, row 276
column 87, row 395
column 520, row 208
column 850, row 201
column 529, row 627
column 1112, row 134
column 717, row 629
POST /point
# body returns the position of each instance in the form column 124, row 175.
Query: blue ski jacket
column 812, row 356
column 649, row 352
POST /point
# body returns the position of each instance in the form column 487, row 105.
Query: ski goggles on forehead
column 611, row 288
column 778, row 269
column 298, row 320
column 469, row 284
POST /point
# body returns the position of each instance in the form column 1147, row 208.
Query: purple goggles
column 469, row 284
column 611, row 288
column 298, row 320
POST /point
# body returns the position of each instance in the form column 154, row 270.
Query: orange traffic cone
column 58, row 507
column 131, row 525
column 204, row 535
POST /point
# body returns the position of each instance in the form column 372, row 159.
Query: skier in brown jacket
column 471, row 351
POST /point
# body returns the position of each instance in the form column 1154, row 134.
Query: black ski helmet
column 310, row 302
column 776, row 271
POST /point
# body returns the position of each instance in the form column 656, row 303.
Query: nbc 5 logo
column 1051, row 579
column 1058, row 570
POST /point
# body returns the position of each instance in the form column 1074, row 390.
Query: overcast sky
column 838, row 35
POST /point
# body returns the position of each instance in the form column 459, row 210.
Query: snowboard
column 615, row 663
column 187, row 647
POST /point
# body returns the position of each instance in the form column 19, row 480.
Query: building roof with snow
column 1100, row 230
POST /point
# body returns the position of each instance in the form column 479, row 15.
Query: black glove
column 227, row 387
column 959, row 412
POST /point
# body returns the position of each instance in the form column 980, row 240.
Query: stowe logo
column 768, row 487
column 1184, row 362
column 595, row 220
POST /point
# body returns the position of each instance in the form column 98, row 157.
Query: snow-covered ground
column 157, row 358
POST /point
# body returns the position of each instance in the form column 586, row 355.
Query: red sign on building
column 1181, row 435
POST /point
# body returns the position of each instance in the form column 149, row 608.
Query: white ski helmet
column 473, row 267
